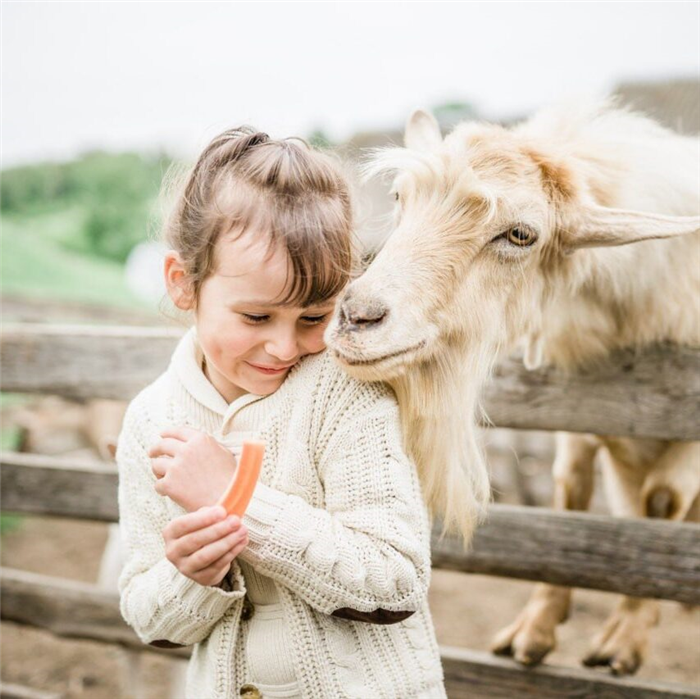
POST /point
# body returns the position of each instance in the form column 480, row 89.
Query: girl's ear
column 178, row 282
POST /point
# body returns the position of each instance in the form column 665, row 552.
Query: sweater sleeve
column 368, row 549
column 161, row 604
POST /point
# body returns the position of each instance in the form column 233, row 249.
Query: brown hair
column 244, row 181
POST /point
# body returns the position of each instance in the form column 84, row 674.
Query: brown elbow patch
column 378, row 616
column 165, row 644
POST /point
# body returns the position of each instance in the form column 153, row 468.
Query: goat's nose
column 358, row 314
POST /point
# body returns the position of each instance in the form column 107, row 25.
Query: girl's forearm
column 316, row 554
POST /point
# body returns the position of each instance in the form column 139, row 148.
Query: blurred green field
column 36, row 263
column 67, row 228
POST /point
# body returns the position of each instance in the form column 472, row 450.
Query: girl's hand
column 202, row 544
column 192, row 468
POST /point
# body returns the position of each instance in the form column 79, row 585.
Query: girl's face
column 249, row 343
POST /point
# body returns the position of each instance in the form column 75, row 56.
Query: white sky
column 124, row 75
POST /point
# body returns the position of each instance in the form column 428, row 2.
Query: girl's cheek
column 226, row 346
column 315, row 342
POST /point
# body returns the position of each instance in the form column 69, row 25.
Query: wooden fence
column 655, row 393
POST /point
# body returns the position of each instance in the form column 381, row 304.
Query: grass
column 36, row 262
column 9, row 523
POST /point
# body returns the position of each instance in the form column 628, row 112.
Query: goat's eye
column 396, row 196
column 522, row 237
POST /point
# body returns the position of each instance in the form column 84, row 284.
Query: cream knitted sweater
column 337, row 521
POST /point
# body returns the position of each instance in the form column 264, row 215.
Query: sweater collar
column 187, row 365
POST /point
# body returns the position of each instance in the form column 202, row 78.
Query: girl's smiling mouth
column 272, row 371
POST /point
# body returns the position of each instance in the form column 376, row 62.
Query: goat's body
column 576, row 233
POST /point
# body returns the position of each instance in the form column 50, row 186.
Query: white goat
column 505, row 236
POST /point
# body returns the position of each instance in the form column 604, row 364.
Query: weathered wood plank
column 473, row 675
column 650, row 393
column 655, row 393
column 18, row 691
column 77, row 361
column 66, row 608
column 19, row 308
column 77, row 610
column 33, row 484
column 646, row 558
column 639, row 557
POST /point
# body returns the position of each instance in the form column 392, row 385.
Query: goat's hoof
column 622, row 644
column 624, row 661
column 527, row 643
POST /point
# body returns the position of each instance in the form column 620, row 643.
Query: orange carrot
column 240, row 491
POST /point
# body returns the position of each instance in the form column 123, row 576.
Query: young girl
column 321, row 590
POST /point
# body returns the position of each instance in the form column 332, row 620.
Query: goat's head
column 481, row 219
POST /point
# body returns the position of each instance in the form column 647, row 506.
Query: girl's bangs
column 314, row 230
column 319, row 248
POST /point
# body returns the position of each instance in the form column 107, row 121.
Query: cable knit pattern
column 337, row 521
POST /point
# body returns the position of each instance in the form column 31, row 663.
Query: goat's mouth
column 373, row 361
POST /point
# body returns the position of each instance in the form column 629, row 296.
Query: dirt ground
column 467, row 609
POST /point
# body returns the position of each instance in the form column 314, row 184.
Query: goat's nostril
column 363, row 315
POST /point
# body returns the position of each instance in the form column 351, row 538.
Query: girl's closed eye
column 307, row 320
column 255, row 319
column 315, row 320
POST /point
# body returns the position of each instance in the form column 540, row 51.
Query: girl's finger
column 183, row 434
column 215, row 573
column 160, row 466
column 160, row 486
column 196, row 541
column 194, row 521
column 208, row 555
column 165, row 447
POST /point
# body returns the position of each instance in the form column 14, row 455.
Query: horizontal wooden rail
column 49, row 485
column 25, row 309
column 474, row 675
column 642, row 557
column 77, row 610
column 651, row 393
column 18, row 691
column 68, row 609
column 77, row 361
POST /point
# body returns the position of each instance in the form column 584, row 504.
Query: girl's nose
column 284, row 348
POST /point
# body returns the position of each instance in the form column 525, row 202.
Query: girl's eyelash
column 254, row 319
column 311, row 320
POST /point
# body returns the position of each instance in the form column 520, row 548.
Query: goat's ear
column 598, row 226
column 422, row 131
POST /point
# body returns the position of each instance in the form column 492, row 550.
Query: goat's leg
column 671, row 487
column 667, row 489
column 532, row 635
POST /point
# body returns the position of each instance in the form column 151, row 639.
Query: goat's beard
column 440, row 411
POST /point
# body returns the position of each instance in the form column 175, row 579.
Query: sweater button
column 247, row 613
column 250, row 691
